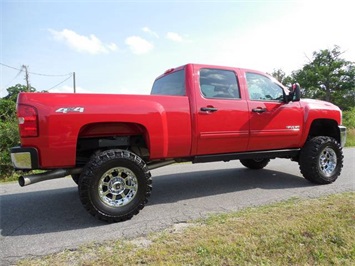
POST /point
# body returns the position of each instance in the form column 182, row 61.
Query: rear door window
column 219, row 83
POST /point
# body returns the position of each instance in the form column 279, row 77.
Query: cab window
column 262, row 88
column 171, row 84
column 219, row 83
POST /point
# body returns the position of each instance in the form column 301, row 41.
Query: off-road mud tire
column 321, row 160
column 75, row 178
column 107, row 175
column 255, row 164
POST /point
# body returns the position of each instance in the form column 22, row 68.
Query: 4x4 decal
column 65, row 110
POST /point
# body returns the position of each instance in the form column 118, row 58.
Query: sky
column 122, row 46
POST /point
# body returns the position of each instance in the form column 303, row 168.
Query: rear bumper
column 24, row 158
column 342, row 131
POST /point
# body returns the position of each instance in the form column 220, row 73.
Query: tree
column 9, row 136
column 278, row 74
column 281, row 76
column 328, row 77
column 15, row 90
column 7, row 109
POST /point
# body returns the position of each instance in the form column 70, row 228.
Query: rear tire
column 115, row 185
column 321, row 160
column 75, row 178
column 255, row 164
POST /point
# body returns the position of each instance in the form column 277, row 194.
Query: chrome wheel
column 117, row 187
column 327, row 161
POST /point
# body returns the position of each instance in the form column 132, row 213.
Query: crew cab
column 196, row 113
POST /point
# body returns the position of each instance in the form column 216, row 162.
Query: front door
column 274, row 124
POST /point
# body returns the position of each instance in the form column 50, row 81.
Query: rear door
column 274, row 124
column 222, row 119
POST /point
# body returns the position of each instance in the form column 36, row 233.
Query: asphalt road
column 48, row 217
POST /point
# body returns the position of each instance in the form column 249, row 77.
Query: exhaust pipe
column 35, row 178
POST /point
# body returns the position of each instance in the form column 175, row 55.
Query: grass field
column 296, row 232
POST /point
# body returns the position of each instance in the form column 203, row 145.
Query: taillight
column 27, row 120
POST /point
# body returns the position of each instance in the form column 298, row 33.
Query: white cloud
column 173, row 36
column 139, row 45
column 148, row 30
column 84, row 44
column 112, row 46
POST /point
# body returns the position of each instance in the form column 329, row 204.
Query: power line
column 38, row 74
column 18, row 74
column 61, row 82
column 25, row 68
column 11, row 67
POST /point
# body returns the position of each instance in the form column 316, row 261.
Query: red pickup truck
column 197, row 113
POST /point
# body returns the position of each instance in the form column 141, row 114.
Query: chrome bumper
column 342, row 131
column 24, row 158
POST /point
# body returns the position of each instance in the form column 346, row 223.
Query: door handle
column 259, row 110
column 208, row 109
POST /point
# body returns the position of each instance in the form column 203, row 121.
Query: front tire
column 115, row 185
column 255, row 164
column 321, row 160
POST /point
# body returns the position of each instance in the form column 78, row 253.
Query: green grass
column 295, row 232
column 15, row 175
column 350, row 140
column 9, row 178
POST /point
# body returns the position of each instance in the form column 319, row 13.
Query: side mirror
column 295, row 93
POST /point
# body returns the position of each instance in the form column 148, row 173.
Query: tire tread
column 308, row 161
column 253, row 164
column 89, row 172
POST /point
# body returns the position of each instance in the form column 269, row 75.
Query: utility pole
column 74, row 82
column 27, row 77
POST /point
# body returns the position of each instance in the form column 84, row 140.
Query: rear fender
column 111, row 129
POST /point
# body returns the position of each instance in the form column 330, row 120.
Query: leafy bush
column 349, row 118
column 349, row 122
column 7, row 109
column 9, row 137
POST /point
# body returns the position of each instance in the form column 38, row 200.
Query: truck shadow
column 58, row 210
column 175, row 187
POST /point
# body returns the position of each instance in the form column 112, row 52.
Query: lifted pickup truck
column 197, row 113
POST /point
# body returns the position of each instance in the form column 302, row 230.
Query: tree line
column 327, row 76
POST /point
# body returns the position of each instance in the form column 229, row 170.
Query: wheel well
column 324, row 127
column 99, row 137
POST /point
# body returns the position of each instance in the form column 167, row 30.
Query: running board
column 289, row 153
